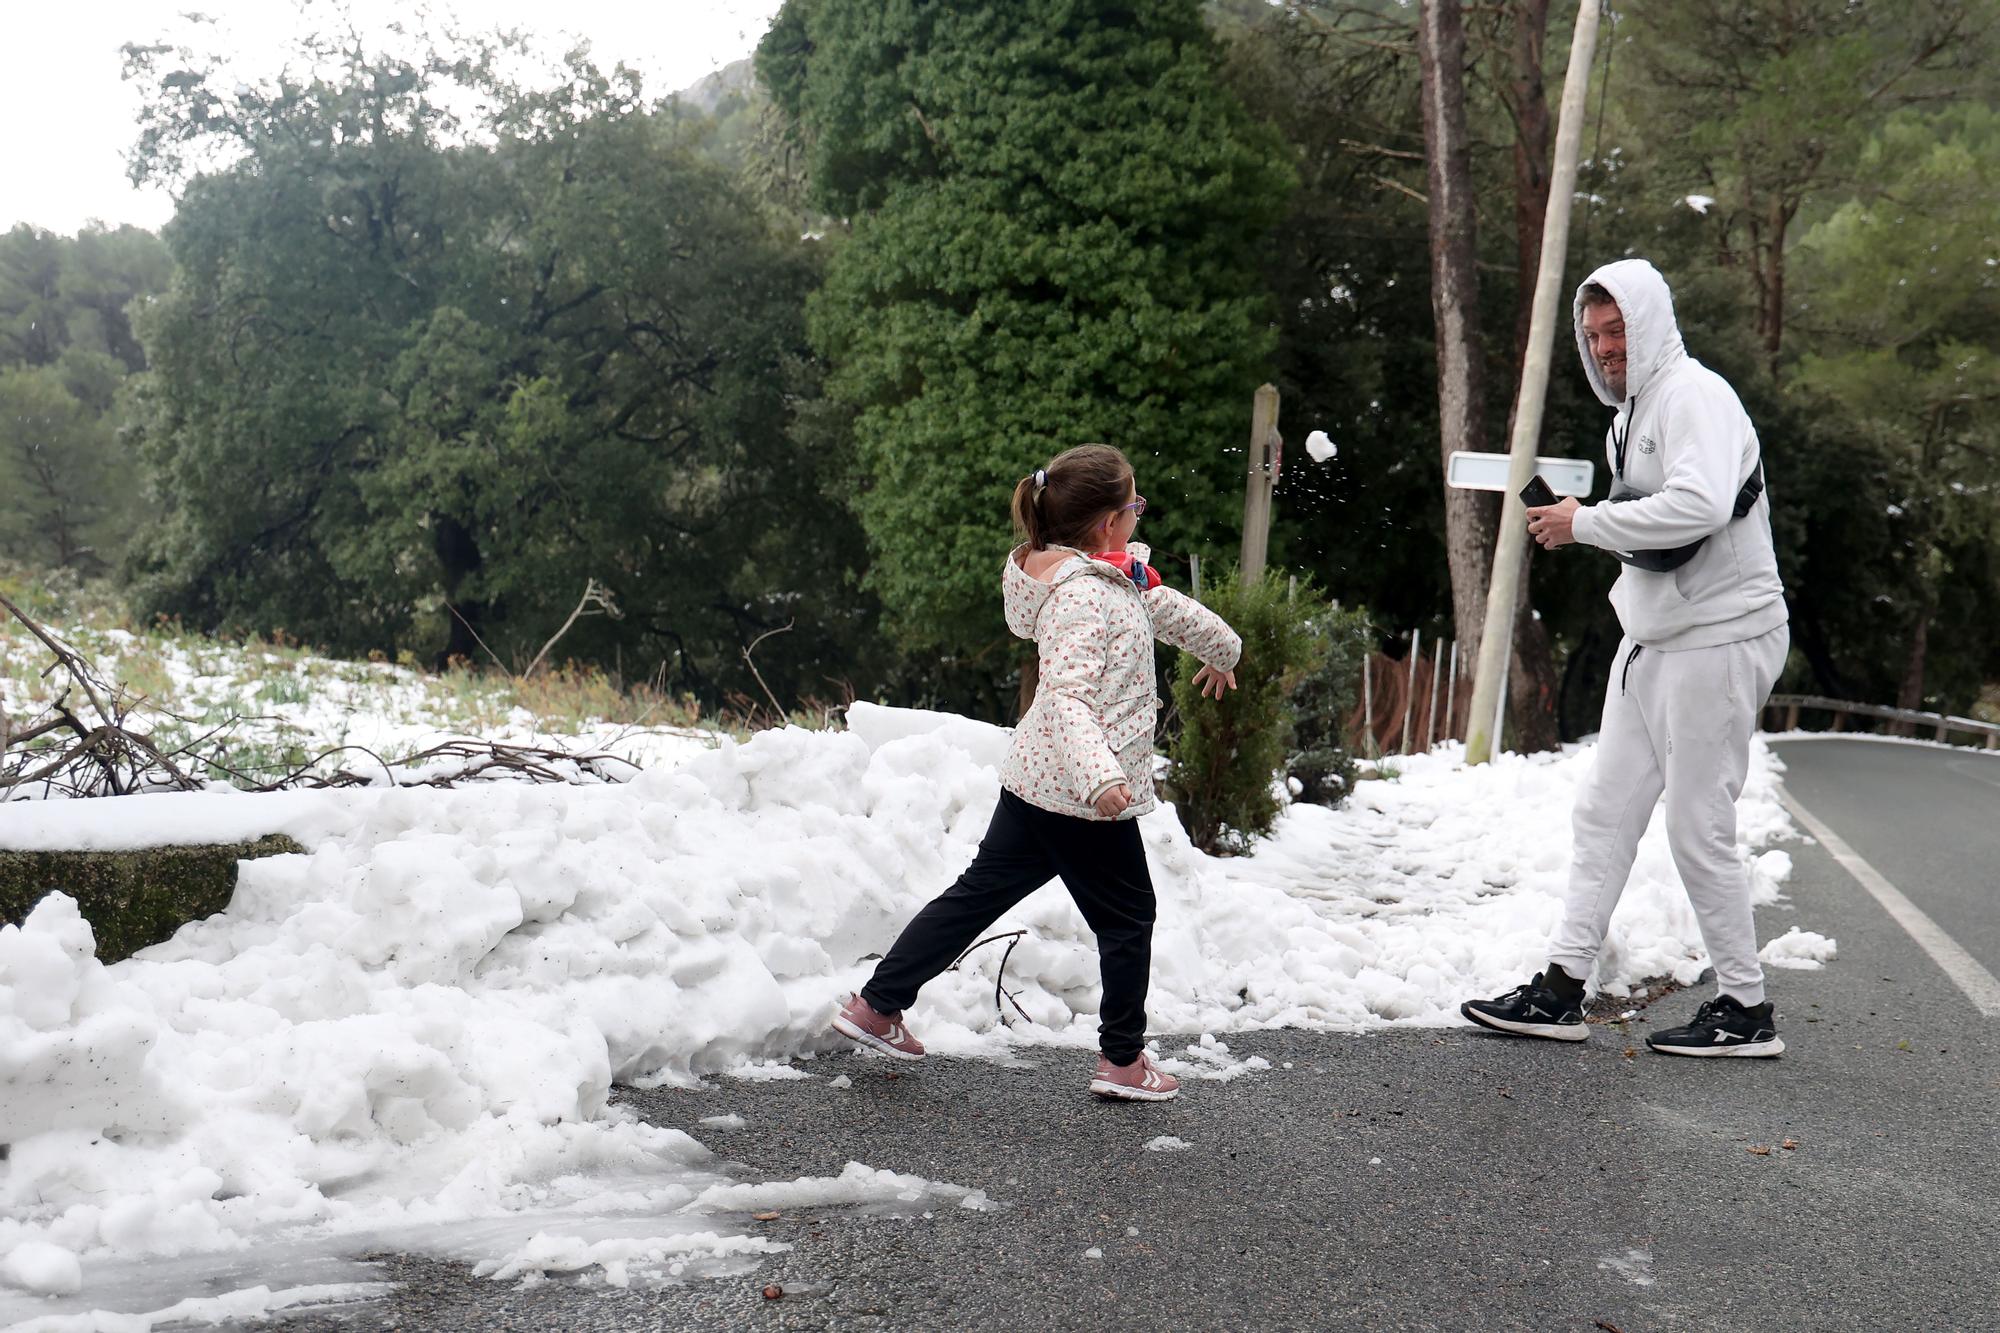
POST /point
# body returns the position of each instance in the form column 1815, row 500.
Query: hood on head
column 1652, row 335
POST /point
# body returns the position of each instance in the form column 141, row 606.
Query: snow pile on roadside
column 1802, row 949
column 418, row 1023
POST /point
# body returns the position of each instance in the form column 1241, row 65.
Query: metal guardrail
column 1941, row 725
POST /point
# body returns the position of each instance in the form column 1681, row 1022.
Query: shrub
column 1320, row 760
column 1230, row 751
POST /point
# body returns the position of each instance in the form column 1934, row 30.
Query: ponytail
column 1056, row 505
column 1027, row 508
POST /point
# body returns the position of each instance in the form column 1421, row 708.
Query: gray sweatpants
column 1678, row 723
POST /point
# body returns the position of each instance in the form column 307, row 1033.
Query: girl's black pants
column 1103, row 865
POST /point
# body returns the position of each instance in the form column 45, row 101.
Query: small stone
column 773, row 1292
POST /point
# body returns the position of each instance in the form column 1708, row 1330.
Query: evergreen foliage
column 1054, row 212
column 1230, row 750
column 69, row 493
column 1324, row 699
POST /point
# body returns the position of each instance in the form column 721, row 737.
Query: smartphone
column 1536, row 494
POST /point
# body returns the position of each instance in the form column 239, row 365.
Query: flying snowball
column 1320, row 447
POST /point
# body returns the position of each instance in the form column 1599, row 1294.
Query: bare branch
column 594, row 593
column 777, row 710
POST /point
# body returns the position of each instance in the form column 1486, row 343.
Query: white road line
column 1966, row 972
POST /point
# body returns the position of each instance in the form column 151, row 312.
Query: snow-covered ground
column 407, row 1038
column 259, row 705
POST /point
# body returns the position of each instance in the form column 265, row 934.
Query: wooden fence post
column 1410, row 685
column 1368, row 702
column 1260, row 479
column 1431, row 714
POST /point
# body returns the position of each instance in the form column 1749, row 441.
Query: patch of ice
column 1635, row 1266
column 774, row 1071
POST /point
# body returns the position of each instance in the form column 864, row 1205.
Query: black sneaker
column 1722, row 1027
column 1533, row 1010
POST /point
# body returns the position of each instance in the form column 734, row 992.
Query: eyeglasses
column 1138, row 507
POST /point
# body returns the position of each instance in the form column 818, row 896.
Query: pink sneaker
column 856, row 1018
column 1140, row 1081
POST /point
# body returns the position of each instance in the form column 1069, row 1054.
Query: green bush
column 1229, row 752
column 1320, row 761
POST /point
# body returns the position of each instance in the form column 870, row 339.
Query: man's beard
column 1615, row 383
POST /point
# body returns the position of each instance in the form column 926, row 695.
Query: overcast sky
column 66, row 117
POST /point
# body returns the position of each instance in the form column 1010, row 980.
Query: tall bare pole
column 1504, row 588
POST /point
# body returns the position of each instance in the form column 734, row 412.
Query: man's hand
column 1551, row 524
column 1213, row 683
column 1112, row 801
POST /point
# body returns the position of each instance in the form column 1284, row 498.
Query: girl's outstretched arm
column 1187, row 624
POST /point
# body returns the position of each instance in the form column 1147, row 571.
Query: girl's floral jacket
column 1091, row 724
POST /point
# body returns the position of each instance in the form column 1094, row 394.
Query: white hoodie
column 1689, row 449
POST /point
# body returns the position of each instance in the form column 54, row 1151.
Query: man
column 1705, row 629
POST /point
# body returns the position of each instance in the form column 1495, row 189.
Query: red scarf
column 1144, row 577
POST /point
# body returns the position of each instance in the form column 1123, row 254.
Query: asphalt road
column 1928, row 819
column 1447, row 1179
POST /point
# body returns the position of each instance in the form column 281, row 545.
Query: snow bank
column 419, row 1022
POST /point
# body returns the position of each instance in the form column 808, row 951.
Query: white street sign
column 1472, row 471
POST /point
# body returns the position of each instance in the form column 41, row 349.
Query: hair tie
column 1041, row 478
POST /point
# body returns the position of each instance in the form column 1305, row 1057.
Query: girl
column 1080, row 770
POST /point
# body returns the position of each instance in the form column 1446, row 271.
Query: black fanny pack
column 1673, row 557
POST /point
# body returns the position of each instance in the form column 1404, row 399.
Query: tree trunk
column 1031, row 680
column 1533, row 687
column 1774, row 285
column 1532, row 147
column 1910, row 694
column 458, row 554
column 1469, row 516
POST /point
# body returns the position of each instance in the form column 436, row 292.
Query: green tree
column 1905, row 318
column 419, row 383
column 69, row 495
column 1766, row 106
column 1054, row 211
column 55, row 461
